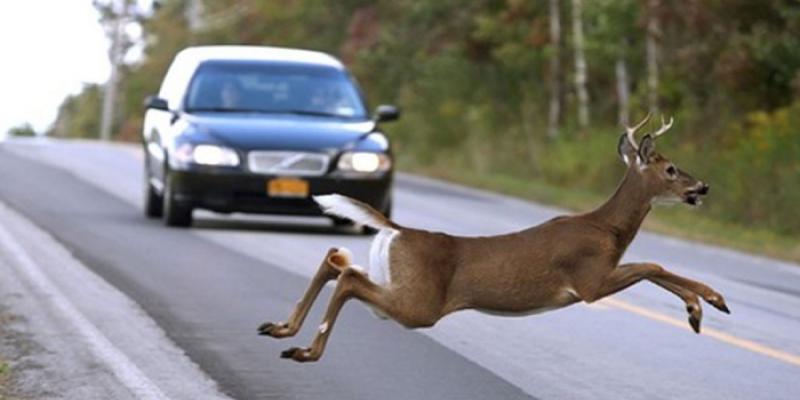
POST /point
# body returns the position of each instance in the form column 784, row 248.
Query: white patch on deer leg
column 346, row 253
column 358, row 268
column 572, row 292
column 323, row 328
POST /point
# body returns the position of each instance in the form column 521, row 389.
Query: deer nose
column 703, row 189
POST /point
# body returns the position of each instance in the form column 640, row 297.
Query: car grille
column 288, row 163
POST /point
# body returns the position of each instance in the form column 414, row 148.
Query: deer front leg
column 351, row 283
column 331, row 266
column 689, row 297
column 703, row 290
column 626, row 275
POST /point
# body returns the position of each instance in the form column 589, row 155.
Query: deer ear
column 646, row 148
column 626, row 152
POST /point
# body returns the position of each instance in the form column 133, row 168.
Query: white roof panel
column 199, row 54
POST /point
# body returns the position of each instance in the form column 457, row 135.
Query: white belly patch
column 378, row 270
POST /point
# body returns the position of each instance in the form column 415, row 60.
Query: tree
column 25, row 129
column 555, row 69
column 114, row 16
column 580, row 64
column 653, row 33
column 77, row 116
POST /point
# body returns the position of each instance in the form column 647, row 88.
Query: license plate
column 287, row 187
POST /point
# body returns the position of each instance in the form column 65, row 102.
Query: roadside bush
column 759, row 171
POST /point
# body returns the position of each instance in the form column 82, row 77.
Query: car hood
column 278, row 132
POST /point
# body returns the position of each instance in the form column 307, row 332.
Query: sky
column 50, row 48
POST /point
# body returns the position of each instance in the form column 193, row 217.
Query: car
column 257, row 129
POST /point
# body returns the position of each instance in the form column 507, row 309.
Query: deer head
column 663, row 179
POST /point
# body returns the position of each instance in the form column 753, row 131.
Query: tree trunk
column 555, row 70
column 623, row 91
column 653, row 32
column 580, row 65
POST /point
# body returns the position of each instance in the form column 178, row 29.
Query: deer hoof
column 695, row 316
column 274, row 330
column 695, row 323
column 298, row 354
column 719, row 303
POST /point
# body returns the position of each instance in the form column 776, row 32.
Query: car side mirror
column 156, row 103
column 386, row 113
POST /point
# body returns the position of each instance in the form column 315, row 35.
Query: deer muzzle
column 693, row 195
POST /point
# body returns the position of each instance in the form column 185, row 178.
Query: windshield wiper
column 315, row 113
column 219, row 109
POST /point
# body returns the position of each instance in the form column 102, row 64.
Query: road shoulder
column 68, row 334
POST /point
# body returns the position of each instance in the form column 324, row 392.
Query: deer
column 417, row 277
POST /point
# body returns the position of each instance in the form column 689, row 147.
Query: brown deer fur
column 560, row 262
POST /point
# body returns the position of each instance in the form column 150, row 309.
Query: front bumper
column 235, row 191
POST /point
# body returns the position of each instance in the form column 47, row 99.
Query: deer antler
column 631, row 131
column 664, row 127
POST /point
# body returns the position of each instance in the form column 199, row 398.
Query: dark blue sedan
column 261, row 130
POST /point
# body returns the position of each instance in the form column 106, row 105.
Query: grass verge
column 675, row 221
column 5, row 377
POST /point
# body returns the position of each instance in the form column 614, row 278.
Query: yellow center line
column 710, row 332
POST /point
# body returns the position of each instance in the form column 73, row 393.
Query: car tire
column 175, row 213
column 362, row 229
column 153, row 202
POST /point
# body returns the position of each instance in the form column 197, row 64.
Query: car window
column 224, row 86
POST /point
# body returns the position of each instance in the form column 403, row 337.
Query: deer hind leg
column 351, row 283
column 335, row 261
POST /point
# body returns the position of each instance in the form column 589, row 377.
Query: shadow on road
column 256, row 225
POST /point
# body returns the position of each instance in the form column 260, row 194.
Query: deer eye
column 672, row 171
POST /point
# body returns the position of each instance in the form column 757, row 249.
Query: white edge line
column 128, row 374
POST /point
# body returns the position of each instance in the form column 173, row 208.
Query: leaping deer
column 417, row 277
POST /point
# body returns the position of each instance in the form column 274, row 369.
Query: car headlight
column 364, row 162
column 207, row 154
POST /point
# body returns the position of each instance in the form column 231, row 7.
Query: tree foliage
column 24, row 130
column 472, row 80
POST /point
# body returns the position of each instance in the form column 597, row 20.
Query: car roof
column 198, row 54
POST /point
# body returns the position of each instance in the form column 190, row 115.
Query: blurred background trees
column 23, row 130
column 498, row 88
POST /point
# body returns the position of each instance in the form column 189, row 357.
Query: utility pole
column 120, row 10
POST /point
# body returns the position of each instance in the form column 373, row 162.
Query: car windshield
column 274, row 88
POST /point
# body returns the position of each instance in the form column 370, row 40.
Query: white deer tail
column 354, row 210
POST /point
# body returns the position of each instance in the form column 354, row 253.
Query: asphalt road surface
column 210, row 286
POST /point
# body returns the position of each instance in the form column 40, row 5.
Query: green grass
column 676, row 221
column 5, row 376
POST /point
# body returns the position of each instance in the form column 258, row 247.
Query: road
column 209, row 287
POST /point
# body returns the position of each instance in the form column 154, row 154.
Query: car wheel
column 153, row 203
column 175, row 213
column 387, row 211
column 342, row 222
column 363, row 229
